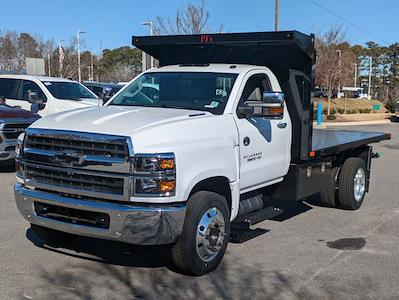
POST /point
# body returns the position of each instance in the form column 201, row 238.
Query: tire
column 347, row 182
column 190, row 253
column 328, row 197
column 51, row 236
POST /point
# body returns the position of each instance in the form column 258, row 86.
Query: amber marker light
column 167, row 186
column 167, row 164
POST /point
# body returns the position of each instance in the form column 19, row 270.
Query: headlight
column 154, row 175
column 155, row 186
column 19, row 147
column 155, row 163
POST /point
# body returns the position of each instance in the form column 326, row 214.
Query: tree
column 8, row 48
column 27, row 46
column 335, row 61
column 189, row 19
column 120, row 64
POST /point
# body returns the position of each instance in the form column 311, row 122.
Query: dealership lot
column 309, row 252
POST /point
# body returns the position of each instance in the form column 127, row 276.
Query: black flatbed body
column 327, row 142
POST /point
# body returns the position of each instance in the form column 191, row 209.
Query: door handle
column 282, row 125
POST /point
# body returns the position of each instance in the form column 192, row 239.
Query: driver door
column 23, row 95
column 264, row 143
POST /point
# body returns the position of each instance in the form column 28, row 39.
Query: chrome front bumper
column 144, row 225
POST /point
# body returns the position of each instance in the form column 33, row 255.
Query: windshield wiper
column 169, row 106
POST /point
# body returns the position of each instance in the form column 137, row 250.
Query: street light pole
column 371, row 63
column 277, row 16
column 339, row 74
column 92, row 67
column 78, row 40
column 355, row 75
column 151, row 25
column 60, row 63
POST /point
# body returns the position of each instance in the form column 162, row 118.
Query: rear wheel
column 352, row 183
column 51, row 236
column 328, row 196
column 205, row 235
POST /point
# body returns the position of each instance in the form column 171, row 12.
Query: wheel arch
column 216, row 184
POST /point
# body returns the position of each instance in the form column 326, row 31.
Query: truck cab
column 193, row 163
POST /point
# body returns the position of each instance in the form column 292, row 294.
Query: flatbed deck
column 329, row 141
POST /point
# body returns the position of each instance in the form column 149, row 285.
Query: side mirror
column 33, row 97
column 271, row 106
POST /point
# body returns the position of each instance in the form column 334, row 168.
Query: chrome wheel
column 211, row 233
column 359, row 187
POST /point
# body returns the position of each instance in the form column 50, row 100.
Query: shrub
column 365, row 110
column 333, row 111
column 331, row 117
column 341, row 111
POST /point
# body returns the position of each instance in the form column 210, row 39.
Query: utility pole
column 277, row 16
column 78, row 40
column 371, row 63
column 355, row 75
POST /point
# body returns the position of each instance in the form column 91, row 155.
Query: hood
column 9, row 112
column 116, row 120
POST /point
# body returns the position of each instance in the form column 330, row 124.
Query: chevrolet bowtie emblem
column 70, row 158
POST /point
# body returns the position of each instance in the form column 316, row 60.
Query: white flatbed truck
column 193, row 161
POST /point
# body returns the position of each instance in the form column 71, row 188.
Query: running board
column 240, row 228
column 258, row 216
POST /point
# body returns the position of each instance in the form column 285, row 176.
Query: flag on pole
column 61, row 54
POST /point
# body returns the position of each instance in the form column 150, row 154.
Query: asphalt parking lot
column 310, row 252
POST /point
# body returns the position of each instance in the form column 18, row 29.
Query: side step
column 240, row 228
column 258, row 216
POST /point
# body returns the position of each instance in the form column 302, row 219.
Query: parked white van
column 45, row 95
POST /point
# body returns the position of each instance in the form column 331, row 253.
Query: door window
column 9, row 88
column 31, row 86
column 255, row 87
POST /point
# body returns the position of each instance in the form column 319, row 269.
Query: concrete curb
column 354, row 123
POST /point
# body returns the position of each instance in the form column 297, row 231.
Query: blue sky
column 112, row 23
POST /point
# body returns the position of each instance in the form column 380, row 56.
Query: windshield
column 188, row 90
column 68, row 90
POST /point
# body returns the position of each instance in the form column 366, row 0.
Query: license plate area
column 72, row 215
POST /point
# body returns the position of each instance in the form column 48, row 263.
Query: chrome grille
column 12, row 131
column 98, row 184
column 77, row 163
column 79, row 183
column 80, row 143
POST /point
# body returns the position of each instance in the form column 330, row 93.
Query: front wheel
column 205, row 235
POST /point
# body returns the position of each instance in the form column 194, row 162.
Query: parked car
column 319, row 92
column 195, row 163
column 13, row 122
column 45, row 95
column 103, row 90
